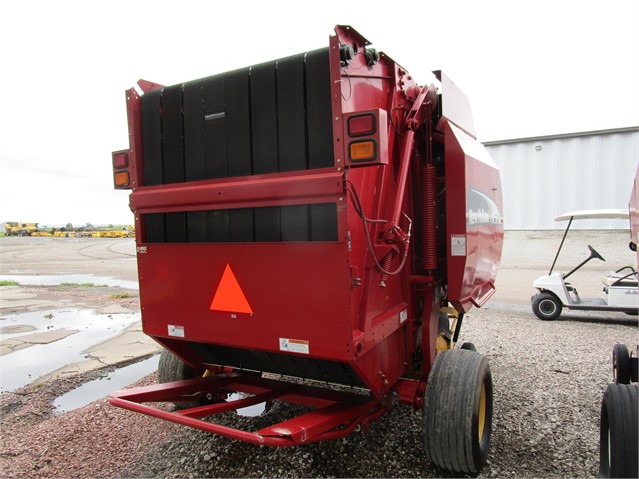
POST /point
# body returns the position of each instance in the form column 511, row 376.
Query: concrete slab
column 47, row 337
column 115, row 309
column 14, row 305
column 16, row 328
column 15, row 292
column 11, row 345
column 131, row 344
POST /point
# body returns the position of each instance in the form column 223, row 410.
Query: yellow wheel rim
column 482, row 412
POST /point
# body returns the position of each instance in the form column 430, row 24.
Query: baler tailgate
column 335, row 414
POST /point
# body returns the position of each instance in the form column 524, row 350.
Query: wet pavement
column 60, row 319
column 103, row 386
column 64, row 342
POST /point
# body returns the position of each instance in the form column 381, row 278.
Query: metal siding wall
column 582, row 172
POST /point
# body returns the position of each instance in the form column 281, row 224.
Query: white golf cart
column 619, row 287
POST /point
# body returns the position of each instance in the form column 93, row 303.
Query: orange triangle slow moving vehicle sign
column 229, row 295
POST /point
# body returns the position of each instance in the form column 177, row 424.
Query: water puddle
column 56, row 280
column 102, row 387
column 22, row 366
column 249, row 411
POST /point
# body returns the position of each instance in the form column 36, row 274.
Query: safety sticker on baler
column 177, row 331
column 294, row 345
column 458, row 245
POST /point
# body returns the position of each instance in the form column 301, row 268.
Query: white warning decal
column 176, row 331
column 458, row 245
column 294, row 345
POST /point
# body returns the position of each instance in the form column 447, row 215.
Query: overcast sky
column 529, row 68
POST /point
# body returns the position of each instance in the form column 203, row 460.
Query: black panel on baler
column 314, row 222
column 154, row 228
column 215, row 127
column 263, row 118
column 218, row 228
column 319, row 111
column 172, row 128
column 241, row 225
column 238, row 122
column 196, row 226
column 175, row 225
column 194, row 152
column 291, row 114
column 267, row 224
column 323, row 222
column 269, row 118
column 152, row 137
column 295, row 223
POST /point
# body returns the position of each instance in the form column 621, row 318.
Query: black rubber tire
column 458, row 398
column 618, row 440
column 468, row 346
column 171, row 368
column 546, row 306
column 621, row 367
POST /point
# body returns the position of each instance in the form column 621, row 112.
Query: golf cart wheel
column 618, row 431
column 458, row 411
column 171, row 368
column 546, row 306
column 621, row 366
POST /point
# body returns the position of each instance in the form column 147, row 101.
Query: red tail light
column 367, row 138
column 121, row 170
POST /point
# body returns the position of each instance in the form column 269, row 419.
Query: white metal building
column 545, row 176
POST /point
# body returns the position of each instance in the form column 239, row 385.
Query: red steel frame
column 333, row 295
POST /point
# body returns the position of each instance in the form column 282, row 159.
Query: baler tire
column 458, row 406
column 621, row 365
column 468, row 346
column 546, row 306
column 171, row 368
column 618, row 431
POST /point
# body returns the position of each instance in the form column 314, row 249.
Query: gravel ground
column 549, row 378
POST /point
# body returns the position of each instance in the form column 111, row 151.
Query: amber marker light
column 122, row 179
column 362, row 150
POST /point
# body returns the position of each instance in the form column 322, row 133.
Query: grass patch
column 88, row 285
column 120, row 295
column 6, row 282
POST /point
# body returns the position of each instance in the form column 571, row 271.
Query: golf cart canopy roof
column 610, row 214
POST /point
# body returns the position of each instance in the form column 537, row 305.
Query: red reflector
column 120, row 161
column 361, row 125
column 122, row 179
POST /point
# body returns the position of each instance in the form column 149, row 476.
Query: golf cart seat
column 624, row 277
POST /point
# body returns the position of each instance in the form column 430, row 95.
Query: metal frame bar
column 335, row 414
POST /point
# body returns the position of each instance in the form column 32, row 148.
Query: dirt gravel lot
column 549, row 379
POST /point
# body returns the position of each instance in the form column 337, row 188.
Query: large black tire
column 618, row 441
column 469, row 346
column 171, row 368
column 458, row 411
column 621, row 366
column 546, row 306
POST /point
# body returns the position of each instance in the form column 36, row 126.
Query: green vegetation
column 5, row 282
column 88, row 285
column 120, row 295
